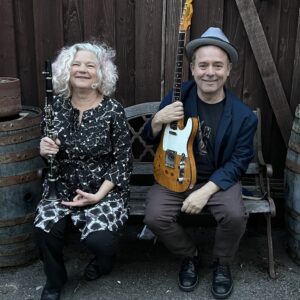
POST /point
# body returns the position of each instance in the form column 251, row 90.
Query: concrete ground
column 146, row 271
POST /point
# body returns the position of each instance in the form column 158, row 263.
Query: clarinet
column 50, row 132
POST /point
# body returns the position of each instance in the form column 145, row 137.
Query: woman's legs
column 104, row 245
column 50, row 247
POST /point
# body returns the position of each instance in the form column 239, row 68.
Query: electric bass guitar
column 174, row 162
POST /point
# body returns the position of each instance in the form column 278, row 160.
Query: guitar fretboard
column 178, row 67
column 178, row 72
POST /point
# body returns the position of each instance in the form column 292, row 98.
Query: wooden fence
column 144, row 33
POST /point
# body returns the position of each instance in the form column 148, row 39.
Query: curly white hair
column 107, row 70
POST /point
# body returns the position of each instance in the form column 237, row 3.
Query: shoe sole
column 190, row 288
column 222, row 296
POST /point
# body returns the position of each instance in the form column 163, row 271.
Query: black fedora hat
column 212, row 36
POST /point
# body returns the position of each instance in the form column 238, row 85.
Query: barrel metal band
column 20, row 137
column 292, row 166
column 17, row 221
column 17, row 179
column 295, row 215
column 295, row 147
column 22, row 123
column 296, row 127
column 16, row 238
column 20, row 156
column 297, row 112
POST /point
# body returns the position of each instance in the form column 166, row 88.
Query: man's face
column 210, row 69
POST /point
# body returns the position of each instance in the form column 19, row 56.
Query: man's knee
column 236, row 219
column 150, row 220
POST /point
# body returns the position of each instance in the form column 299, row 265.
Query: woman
column 92, row 162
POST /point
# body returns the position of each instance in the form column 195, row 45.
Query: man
column 223, row 149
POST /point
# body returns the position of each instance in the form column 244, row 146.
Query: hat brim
column 195, row 44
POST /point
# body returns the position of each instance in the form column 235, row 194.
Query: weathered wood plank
column 8, row 56
column 207, row 13
column 295, row 93
column 266, row 66
column 73, row 21
column 173, row 11
column 48, row 37
column 138, row 196
column 234, row 28
column 148, row 23
column 147, row 168
column 253, row 86
column 99, row 21
column 125, row 35
column 26, row 51
column 286, row 47
column 141, row 109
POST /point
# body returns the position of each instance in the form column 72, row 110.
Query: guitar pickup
column 172, row 132
column 170, row 158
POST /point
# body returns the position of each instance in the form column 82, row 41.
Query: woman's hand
column 49, row 147
column 82, row 199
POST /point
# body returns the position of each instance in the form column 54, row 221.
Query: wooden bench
column 255, row 181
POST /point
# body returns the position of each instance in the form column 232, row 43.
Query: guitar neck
column 178, row 67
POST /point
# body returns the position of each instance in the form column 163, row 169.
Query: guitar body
column 174, row 161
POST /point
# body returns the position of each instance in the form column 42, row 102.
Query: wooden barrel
column 20, row 186
column 292, row 190
column 10, row 97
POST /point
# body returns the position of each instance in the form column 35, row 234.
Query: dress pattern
column 92, row 151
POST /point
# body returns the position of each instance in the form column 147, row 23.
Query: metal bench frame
column 256, row 178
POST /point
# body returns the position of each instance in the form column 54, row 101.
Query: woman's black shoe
column 222, row 282
column 50, row 294
column 93, row 272
column 188, row 274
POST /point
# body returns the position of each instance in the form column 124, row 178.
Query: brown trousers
column 227, row 207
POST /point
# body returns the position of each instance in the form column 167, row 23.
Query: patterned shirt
column 92, row 151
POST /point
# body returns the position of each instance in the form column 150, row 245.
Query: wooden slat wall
column 144, row 34
column 148, row 36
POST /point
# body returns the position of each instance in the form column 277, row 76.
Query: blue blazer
column 234, row 138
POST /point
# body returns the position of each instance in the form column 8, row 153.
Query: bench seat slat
column 137, row 206
column 147, row 168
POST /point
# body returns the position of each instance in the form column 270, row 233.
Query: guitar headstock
column 186, row 16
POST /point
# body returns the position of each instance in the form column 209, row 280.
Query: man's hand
column 195, row 202
column 170, row 113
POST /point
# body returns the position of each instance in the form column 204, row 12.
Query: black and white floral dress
column 96, row 149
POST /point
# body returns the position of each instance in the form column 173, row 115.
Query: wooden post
column 266, row 66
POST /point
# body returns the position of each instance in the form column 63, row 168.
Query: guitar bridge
column 170, row 159
column 181, row 169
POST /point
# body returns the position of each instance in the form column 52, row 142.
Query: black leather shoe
column 188, row 274
column 222, row 284
column 92, row 271
column 50, row 294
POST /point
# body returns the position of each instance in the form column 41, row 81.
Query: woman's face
column 84, row 70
